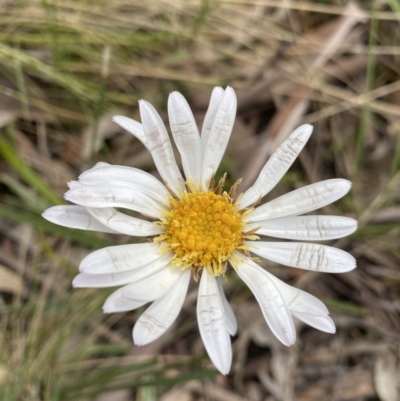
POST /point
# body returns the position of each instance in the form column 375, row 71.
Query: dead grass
column 67, row 67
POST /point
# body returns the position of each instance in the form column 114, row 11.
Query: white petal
column 148, row 289
column 219, row 136
column 307, row 228
column 272, row 304
column 215, row 101
column 123, row 223
column 74, row 217
column 152, row 287
column 162, row 313
column 74, row 184
column 86, row 280
column 276, row 166
column 132, row 126
column 160, row 147
column 186, row 135
column 323, row 323
column 298, row 300
column 212, row 324
column 126, row 176
column 117, row 303
column 302, row 200
column 116, row 259
column 231, row 323
column 307, row 256
column 101, row 164
column 305, row 306
column 110, row 196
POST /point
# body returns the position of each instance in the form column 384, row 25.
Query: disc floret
column 202, row 229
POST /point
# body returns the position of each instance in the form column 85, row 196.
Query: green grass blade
column 26, row 173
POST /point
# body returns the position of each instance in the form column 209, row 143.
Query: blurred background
column 66, row 67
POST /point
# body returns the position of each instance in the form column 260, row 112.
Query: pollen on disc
column 203, row 229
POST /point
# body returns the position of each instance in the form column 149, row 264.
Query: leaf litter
column 67, row 68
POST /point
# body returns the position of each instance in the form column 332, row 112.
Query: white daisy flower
column 197, row 228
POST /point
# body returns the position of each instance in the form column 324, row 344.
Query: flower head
column 197, row 228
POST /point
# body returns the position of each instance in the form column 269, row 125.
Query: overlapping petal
column 73, row 216
column 298, row 300
column 98, row 196
column 116, row 259
column 305, row 307
column 117, row 303
column 160, row 147
column 137, row 294
column 231, row 323
column 90, row 280
column 215, row 101
column 162, row 313
column 273, row 306
column 152, row 287
column 124, row 224
column 323, row 323
column 212, row 323
column 186, row 136
column 126, row 177
column 219, row 136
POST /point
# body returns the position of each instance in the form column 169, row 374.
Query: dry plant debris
column 66, row 67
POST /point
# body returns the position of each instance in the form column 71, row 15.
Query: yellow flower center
column 202, row 229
